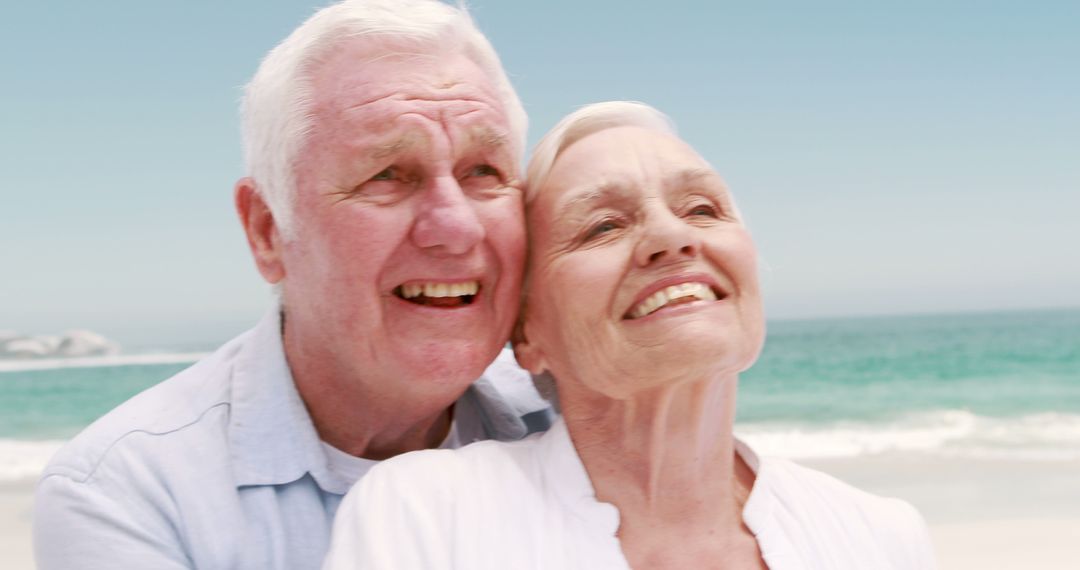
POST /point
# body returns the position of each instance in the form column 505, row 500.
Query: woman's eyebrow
column 604, row 192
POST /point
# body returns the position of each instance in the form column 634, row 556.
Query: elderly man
column 383, row 146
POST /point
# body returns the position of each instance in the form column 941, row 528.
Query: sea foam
column 97, row 361
column 947, row 433
column 1045, row 437
column 24, row 460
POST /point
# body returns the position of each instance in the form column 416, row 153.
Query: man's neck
column 354, row 417
column 356, row 426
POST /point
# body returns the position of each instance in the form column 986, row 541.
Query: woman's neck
column 665, row 455
column 666, row 459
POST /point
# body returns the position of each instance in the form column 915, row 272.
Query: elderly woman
column 642, row 303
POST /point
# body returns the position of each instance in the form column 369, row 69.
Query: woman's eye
column 386, row 174
column 601, row 228
column 703, row 210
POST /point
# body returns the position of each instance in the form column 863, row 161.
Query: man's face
column 405, row 269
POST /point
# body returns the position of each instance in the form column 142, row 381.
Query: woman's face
column 640, row 273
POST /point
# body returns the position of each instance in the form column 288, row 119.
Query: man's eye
column 386, row 174
column 483, row 170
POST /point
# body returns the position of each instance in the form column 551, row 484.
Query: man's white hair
column 276, row 107
column 585, row 121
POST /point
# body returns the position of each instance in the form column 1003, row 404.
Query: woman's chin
column 698, row 356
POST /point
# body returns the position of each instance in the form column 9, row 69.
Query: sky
column 916, row 157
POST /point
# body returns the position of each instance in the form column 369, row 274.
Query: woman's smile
column 674, row 291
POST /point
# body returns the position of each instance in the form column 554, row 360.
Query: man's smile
column 439, row 294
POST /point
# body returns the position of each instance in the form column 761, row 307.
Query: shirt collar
column 760, row 512
column 272, row 438
column 274, row 441
column 498, row 404
column 566, row 478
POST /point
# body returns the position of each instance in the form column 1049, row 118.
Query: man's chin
column 451, row 361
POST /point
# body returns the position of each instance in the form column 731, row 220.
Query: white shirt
column 530, row 504
column 352, row 468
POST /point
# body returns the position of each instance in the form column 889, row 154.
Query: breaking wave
column 951, row 433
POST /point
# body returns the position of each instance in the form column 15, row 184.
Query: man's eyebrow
column 489, row 137
column 392, row 147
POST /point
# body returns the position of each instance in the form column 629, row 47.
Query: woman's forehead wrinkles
column 616, row 190
column 694, row 175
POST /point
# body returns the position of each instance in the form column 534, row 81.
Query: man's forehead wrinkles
column 426, row 103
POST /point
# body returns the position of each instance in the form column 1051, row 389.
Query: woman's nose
column 666, row 236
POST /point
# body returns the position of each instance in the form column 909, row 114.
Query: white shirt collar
column 566, row 478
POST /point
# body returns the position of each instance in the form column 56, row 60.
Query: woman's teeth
column 695, row 291
column 429, row 293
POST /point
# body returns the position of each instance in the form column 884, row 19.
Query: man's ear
column 528, row 354
column 261, row 230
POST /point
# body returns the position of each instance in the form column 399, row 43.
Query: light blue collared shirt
column 221, row 467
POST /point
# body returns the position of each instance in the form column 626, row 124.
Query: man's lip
column 450, row 283
column 676, row 280
column 443, row 280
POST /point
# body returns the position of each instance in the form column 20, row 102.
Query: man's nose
column 447, row 221
column 666, row 236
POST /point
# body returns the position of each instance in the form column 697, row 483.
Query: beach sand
column 16, row 499
column 983, row 514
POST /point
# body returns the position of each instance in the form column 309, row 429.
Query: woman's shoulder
column 813, row 487
column 815, row 502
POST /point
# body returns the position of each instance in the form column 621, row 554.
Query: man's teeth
column 666, row 295
column 413, row 290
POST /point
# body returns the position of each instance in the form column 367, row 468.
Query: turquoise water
column 973, row 384
column 57, row 403
column 1005, row 364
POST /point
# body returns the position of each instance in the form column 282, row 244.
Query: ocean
column 993, row 385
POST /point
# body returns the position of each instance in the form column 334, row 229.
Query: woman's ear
column 528, row 354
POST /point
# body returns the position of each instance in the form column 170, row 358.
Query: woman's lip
column 675, row 280
column 674, row 310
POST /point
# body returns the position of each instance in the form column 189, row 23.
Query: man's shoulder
column 191, row 404
column 506, row 402
column 510, row 383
